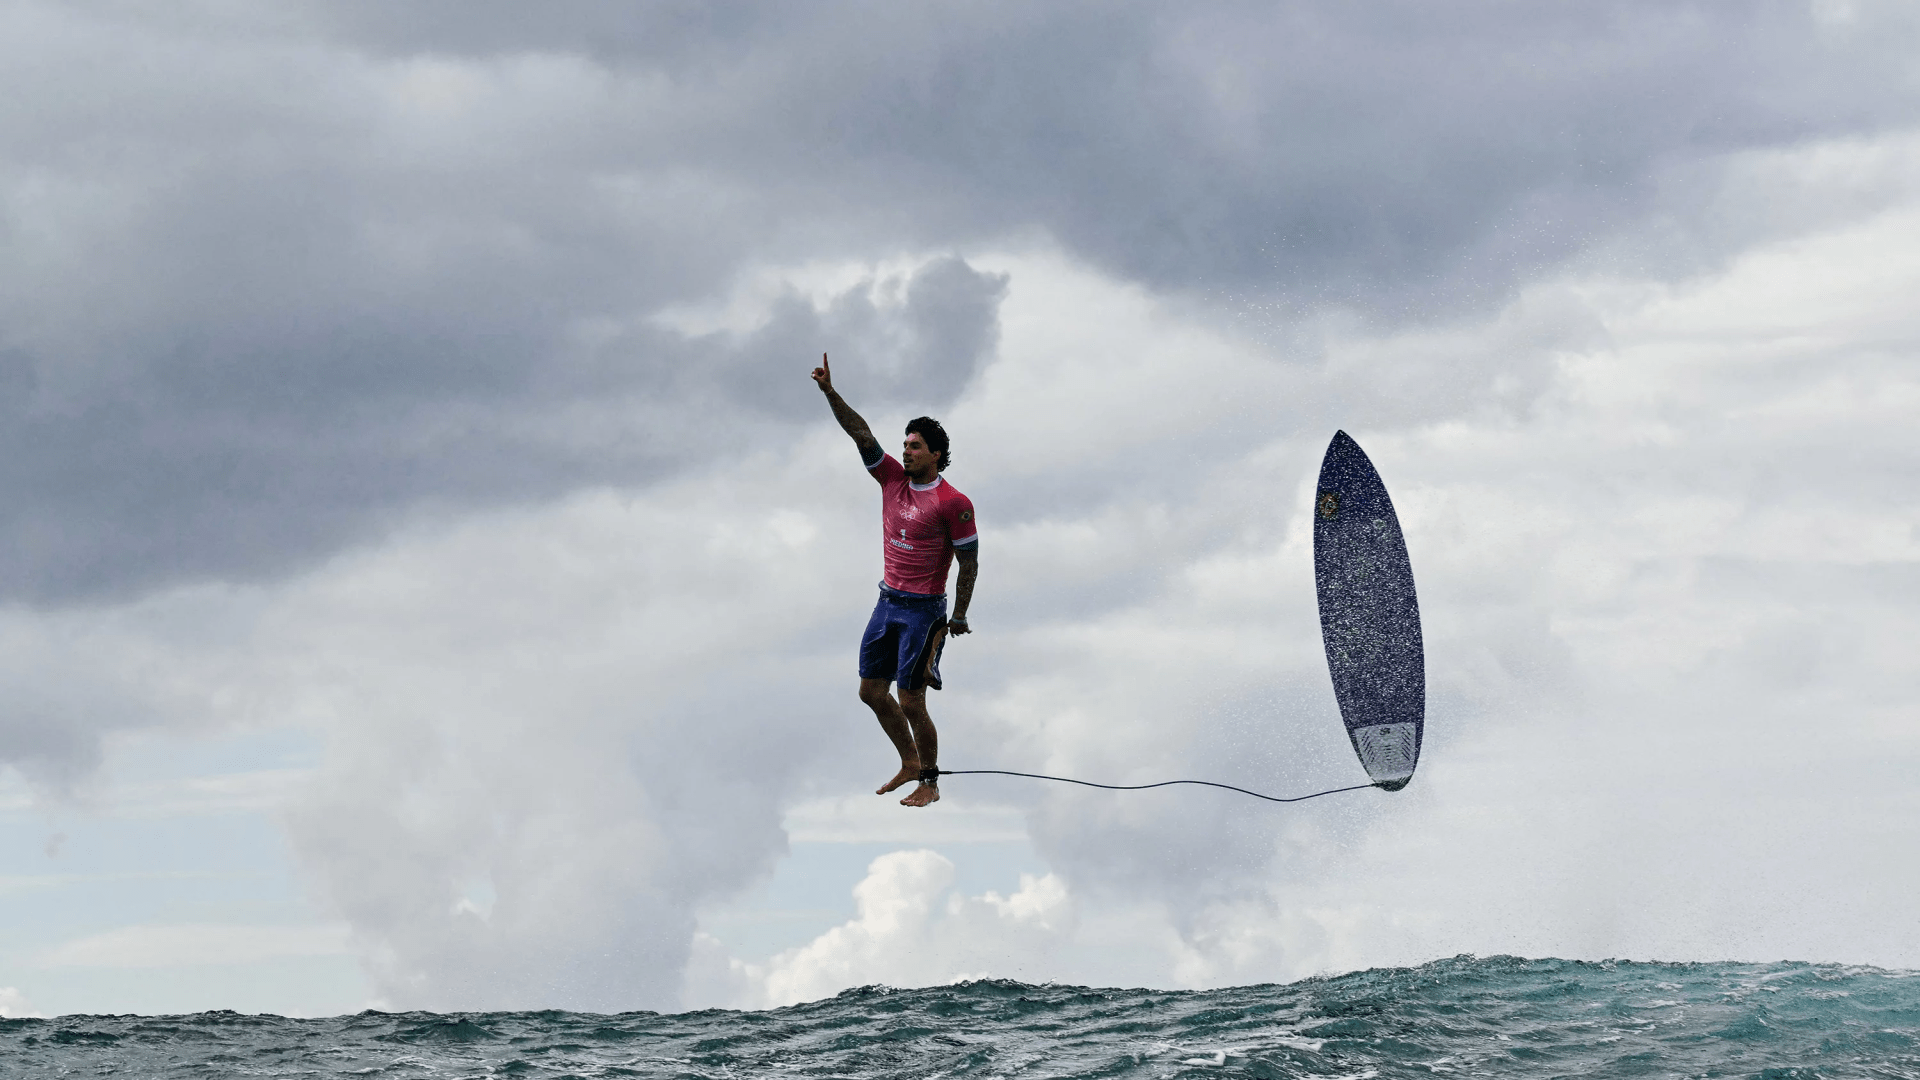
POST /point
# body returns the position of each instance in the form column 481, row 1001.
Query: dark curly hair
column 930, row 430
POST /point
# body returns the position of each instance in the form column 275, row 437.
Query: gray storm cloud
column 276, row 279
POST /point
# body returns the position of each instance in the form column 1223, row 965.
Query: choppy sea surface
column 1497, row 1016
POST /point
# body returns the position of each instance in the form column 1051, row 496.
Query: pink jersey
column 921, row 526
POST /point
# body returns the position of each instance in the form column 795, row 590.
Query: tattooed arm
column 969, row 559
column 850, row 421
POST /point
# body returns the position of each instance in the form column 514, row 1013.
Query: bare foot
column 906, row 773
column 924, row 795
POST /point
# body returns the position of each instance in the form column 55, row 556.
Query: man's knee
column 914, row 701
column 874, row 692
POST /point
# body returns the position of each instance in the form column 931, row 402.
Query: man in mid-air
column 925, row 524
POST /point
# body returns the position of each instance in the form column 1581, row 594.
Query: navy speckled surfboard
column 1369, row 616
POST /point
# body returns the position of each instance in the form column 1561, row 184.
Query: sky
column 429, row 578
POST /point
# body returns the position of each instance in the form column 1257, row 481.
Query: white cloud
column 910, row 930
column 196, row 944
column 577, row 706
column 14, row 1005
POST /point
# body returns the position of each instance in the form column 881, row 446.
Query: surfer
column 926, row 525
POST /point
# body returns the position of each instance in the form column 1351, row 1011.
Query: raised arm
column 850, row 421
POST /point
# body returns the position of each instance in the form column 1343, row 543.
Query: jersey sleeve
column 960, row 526
column 886, row 470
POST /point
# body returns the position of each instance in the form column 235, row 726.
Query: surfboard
column 1369, row 615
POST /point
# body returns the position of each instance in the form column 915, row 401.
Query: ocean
column 1497, row 1016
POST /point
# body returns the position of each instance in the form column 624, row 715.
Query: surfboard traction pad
column 1369, row 615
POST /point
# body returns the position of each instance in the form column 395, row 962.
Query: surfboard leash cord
column 937, row 773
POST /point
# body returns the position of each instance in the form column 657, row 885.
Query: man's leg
column 894, row 723
column 914, row 704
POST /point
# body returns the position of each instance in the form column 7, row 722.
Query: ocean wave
column 1463, row 1016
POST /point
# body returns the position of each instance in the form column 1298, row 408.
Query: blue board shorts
column 899, row 639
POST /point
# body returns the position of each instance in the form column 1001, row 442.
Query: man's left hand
column 957, row 626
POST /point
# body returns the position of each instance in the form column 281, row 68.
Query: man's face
column 914, row 455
